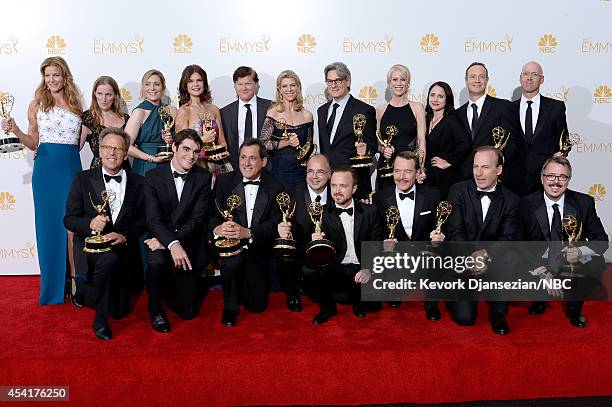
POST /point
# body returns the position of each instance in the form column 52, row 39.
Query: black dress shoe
column 500, row 326
column 578, row 320
column 394, row 304
column 359, row 311
column 294, row 304
column 432, row 311
column 160, row 323
column 537, row 308
column 101, row 328
column 228, row 317
column 323, row 316
column 77, row 302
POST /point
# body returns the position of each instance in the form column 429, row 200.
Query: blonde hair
column 71, row 94
column 146, row 77
column 299, row 100
column 94, row 108
column 401, row 69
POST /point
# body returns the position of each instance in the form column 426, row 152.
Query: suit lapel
column 419, row 203
column 234, row 125
column 240, row 214
column 97, row 184
column 185, row 196
column 168, row 179
column 543, row 114
column 494, row 207
column 129, row 195
column 541, row 216
column 570, row 207
column 462, row 114
column 476, row 204
column 358, row 221
column 391, row 201
column 261, row 114
column 345, row 120
column 261, row 202
column 486, row 108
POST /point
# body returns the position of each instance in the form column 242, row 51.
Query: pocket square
column 424, row 213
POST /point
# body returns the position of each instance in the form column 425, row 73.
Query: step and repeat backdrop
column 435, row 39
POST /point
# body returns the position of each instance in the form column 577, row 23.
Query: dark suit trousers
column 245, row 278
column 289, row 268
column 102, row 266
column 364, row 184
column 465, row 312
column 183, row 287
column 325, row 281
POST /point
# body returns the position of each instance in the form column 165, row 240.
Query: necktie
column 474, row 117
column 117, row 178
column 178, row 174
column 555, row 226
column 342, row 210
column 331, row 120
column 408, row 194
column 554, row 251
column 482, row 194
column 248, row 122
column 245, row 183
column 318, row 198
column 529, row 122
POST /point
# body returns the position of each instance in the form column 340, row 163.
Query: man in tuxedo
column 417, row 207
column 245, row 277
column 541, row 215
column 483, row 210
column 335, row 121
column 541, row 120
column 346, row 223
column 122, row 225
column 178, row 197
column 243, row 118
column 480, row 114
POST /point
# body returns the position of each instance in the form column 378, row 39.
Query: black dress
column 93, row 138
column 406, row 138
column 449, row 141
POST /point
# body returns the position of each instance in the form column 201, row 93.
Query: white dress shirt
column 339, row 111
column 479, row 103
column 535, row 110
column 348, row 224
column 242, row 111
column 549, row 207
column 118, row 189
column 178, row 181
column 313, row 195
column 406, row 209
column 250, row 194
column 485, row 201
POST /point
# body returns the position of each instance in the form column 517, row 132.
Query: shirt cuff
column 172, row 243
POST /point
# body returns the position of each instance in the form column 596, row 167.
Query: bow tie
column 482, row 194
column 245, row 183
column 409, row 195
column 178, row 174
column 347, row 210
column 117, row 178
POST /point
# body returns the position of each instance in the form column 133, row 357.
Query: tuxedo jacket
column 301, row 225
column 424, row 218
column 266, row 213
column 130, row 220
column 343, row 144
column 169, row 219
column 229, row 119
column 545, row 142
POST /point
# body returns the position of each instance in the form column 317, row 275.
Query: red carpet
column 279, row 357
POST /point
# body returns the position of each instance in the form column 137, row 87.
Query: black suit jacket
column 545, row 142
column 130, row 221
column 185, row 221
column 229, row 118
column 343, row 145
column 266, row 213
column 424, row 219
column 301, row 226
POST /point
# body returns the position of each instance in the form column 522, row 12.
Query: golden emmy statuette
column 500, row 137
column 319, row 252
column 305, row 151
column 212, row 149
column 285, row 246
column 168, row 122
column 96, row 243
column 421, row 156
column 8, row 144
column 281, row 124
column 573, row 231
column 393, row 216
column 567, row 141
column 386, row 170
column 443, row 211
column 228, row 246
column 359, row 122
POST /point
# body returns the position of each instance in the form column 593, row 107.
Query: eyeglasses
column 553, row 177
column 532, row 75
column 107, row 148
column 318, row 173
column 335, row 82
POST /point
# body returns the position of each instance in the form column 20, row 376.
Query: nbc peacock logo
column 182, row 44
column 56, row 45
column 306, row 44
column 368, row 94
column 491, row 91
column 597, row 191
column 548, row 44
column 430, row 43
column 7, row 201
column 603, row 94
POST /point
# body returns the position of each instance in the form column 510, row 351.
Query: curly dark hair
column 450, row 102
column 184, row 97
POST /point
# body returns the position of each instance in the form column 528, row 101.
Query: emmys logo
column 100, row 46
column 430, row 43
column 227, row 45
column 597, row 191
column 561, row 94
column 471, row 44
column 24, row 252
column 56, row 45
column 595, row 47
column 182, row 44
column 368, row 94
column 419, row 97
column 547, row 44
column 7, row 201
column 368, row 46
column 603, row 94
column 9, row 47
column 583, row 147
column 491, row 91
column 306, row 44
column 317, row 99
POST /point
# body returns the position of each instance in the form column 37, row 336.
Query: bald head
column 532, row 76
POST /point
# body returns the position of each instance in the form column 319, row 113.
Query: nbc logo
column 547, row 44
column 126, row 96
column 430, row 43
column 56, row 45
column 306, row 44
column 491, row 91
column 603, row 94
column 597, row 191
column 368, row 94
column 7, row 201
column 182, row 44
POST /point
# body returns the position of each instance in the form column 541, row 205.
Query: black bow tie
column 347, row 210
column 409, row 195
column 178, row 174
column 245, row 183
column 487, row 194
column 117, row 178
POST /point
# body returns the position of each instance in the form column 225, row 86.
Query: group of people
column 169, row 210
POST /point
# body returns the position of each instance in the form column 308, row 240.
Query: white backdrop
column 435, row 39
